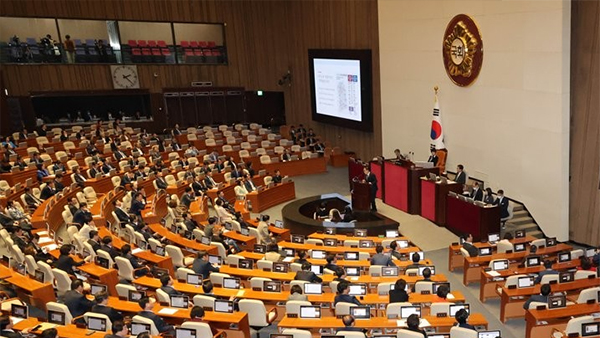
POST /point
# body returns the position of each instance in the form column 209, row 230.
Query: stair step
column 517, row 207
column 520, row 213
column 521, row 220
column 525, row 226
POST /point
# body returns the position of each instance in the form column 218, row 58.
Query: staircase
column 522, row 221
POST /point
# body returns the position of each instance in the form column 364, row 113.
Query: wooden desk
column 54, row 215
column 32, row 291
column 442, row 324
column 299, row 167
column 455, row 258
column 245, row 242
column 183, row 242
column 555, row 319
column 433, row 199
column 101, row 185
column 467, row 218
column 472, row 265
column 283, row 234
column 402, row 185
column 267, row 198
column 19, row 176
column 339, row 249
column 108, row 277
column 512, row 300
column 66, row 331
column 341, row 238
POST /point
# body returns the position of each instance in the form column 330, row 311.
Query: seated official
column 76, row 301
column 94, row 240
column 202, row 266
column 548, row 271
column 140, row 269
column 542, row 297
column 433, row 158
column 65, row 262
column 297, row 294
column 468, row 245
column 146, row 312
column 399, row 294
column 380, row 258
column 348, row 214
column 6, row 328
column 340, row 275
column 197, row 315
column 412, row 323
column 416, row 258
column 102, row 307
column 343, row 289
column 461, row 317
column 321, row 211
column 119, row 330
column 426, row 278
column 277, row 177
column 307, row 275
column 272, row 253
column 240, row 190
column 302, row 255
column 442, row 294
column 331, row 263
column 187, row 198
column 393, row 250
column 349, row 323
column 108, row 247
column 167, row 286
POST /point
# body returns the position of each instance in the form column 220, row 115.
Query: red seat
column 136, row 51
column 162, row 44
column 151, row 43
column 146, row 51
column 198, row 52
column 166, row 51
column 193, row 44
column 212, row 44
column 142, row 43
column 156, row 52
column 132, row 43
column 189, row 52
column 207, row 52
column 216, row 53
column 185, row 44
column 202, row 44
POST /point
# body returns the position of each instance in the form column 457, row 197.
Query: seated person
column 76, row 301
column 272, row 253
column 197, row 315
column 348, row 214
column 307, row 275
column 139, row 269
column 413, row 322
column 442, row 294
column 160, row 324
column 321, row 211
column 102, row 307
column 343, row 288
column 65, row 262
column 6, row 328
column 349, row 322
column 426, row 278
column 532, row 253
column 542, row 297
column 301, row 257
column 393, row 250
column 585, row 264
column 399, row 294
column 331, row 263
column 202, row 266
column 548, row 271
column 380, row 258
column 468, row 245
column 296, row 293
column 119, row 330
column 416, row 258
column 462, row 316
column 340, row 275
column 167, row 286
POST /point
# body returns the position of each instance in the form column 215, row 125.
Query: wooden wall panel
column 264, row 39
column 585, row 122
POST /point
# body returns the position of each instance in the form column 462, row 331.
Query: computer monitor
column 103, row 262
column 453, row 309
column 194, row 279
column 438, row 335
column 160, row 250
column 330, row 231
column 352, row 271
column 205, row 240
column 406, row 311
column 525, row 282
column 224, row 306
column 590, row 329
column 185, row 333
column 358, row 289
column 489, row 334
column 245, row 232
column 56, row 317
column 96, row 324
column 19, row 311
column 366, row 243
column 391, row 233
column 533, row 261
column 485, row 251
column 281, row 267
column 97, row 288
column 520, row 233
column 360, row 232
column 387, row 271
column 135, row 296
column 231, row 283
column 39, row 276
column 519, row 247
column 245, row 264
column 330, row 242
column 139, row 328
column 566, row 276
column 431, row 268
column 494, row 237
column 313, row 288
column 279, row 224
column 216, row 260
column 557, row 301
column 318, row 254
column 317, row 269
column 564, row 257
column 500, row 265
column 310, row 311
column 437, row 285
column 551, row 241
column 289, row 252
column 351, row 256
column 360, row 312
column 272, row 286
column 179, row 302
column 159, row 272
column 298, row 239
column 402, row 244
column 260, row 248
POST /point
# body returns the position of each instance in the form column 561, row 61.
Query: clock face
column 125, row 77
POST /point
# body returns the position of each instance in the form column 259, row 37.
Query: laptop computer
column 97, row 288
column 519, row 247
column 330, row 231
column 402, row 244
column 489, row 334
column 185, row 333
column 179, row 302
column 135, row 296
column 19, row 311
column 317, row 269
column 139, row 328
column 388, row 271
column 329, row 242
column 485, row 251
column 494, row 238
column 360, row 232
column 500, row 265
column 310, row 311
column 281, row 267
column 272, row 286
column 224, row 306
column 351, row 256
column 525, row 282
column 194, row 279
column 318, row 254
column 96, row 324
column 358, row 289
column 313, row 288
column 454, row 308
column 352, row 271
column 56, row 317
column 566, row 276
column 360, row 312
column 231, row 283
column 391, row 233
column 564, row 257
column 590, row 329
column 298, row 239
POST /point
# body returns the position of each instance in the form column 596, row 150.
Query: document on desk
column 240, row 294
column 450, row 296
column 51, row 247
column 136, row 250
column 424, row 323
column 168, row 311
column 15, row 320
column 43, row 240
column 493, row 273
column 288, row 259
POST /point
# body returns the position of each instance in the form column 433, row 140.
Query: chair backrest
column 343, row 308
column 404, row 333
column 351, row 334
column 300, row 283
column 298, row 333
column 182, row 273
column 421, row 286
column 442, row 307
column 539, row 242
column 264, row 265
column 295, row 267
column 464, row 252
column 202, row 329
column 176, row 255
column 220, row 249
column 574, row 324
column 163, row 297
column 546, row 279
column 504, row 246
column 461, row 332
column 89, row 315
column 384, row 288
column 124, row 267
column 47, row 270
column 144, row 320
column 63, row 281
column 58, row 307
column 206, row 302
column 217, row 278
column 393, row 309
column 583, row 274
column 106, row 256
column 123, row 290
column 587, row 294
column 293, row 306
column 258, row 282
column 513, row 280
column 257, row 313
column 351, row 243
column 375, row 270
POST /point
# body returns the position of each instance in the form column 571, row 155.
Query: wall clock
column 125, row 76
column 462, row 50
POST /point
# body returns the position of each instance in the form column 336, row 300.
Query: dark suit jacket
column 161, row 183
column 472, row 250
column 461, row 178
column 111, row 251
column 433, row 159
column 30, row 199
column 345, row 299
column 66, row 264
column 47, row 192
column 125, row 180
column 308, row 276
column 277, row 179
column 203, row 268
column 372, row 179
column 77, row 303
column 81, row 217
column 171, row 291
column 109, row 311
column 477, row 195
column 79, row 178
column 160, row 324
column 95, row 245
column 9, row 334
column 186, row 200
column 398, row 296
column 466, row 326
column 503, row 206
column 382, row 259
column 136, row 208
column 122, row 215
column 190, row 224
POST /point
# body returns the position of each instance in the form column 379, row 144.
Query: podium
column 433, row 199
column 361, row 196
column 464, row 217
column 402, row 185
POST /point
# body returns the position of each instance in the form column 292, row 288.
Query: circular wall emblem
column 462, row 50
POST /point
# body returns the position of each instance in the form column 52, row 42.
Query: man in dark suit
column 102, row 307
column 83, row 215
column 58, row 185
column 189, row 222
column 160, row 181
column 331, row 263
column 209, row 181
column 146, row 312
column 542, row 297
column 122, row 215
column 468, row 245
column 137, row 206
column 249, row 184
column 19, row 238
column 65, row 262
column 72, row 205
column 97, row 169
column 128, row 178
column 380, row 258
column 503, row 203
column 348, row 321
column 32, row 201
column 187, row 198
column 119, row 330
column 107, row 247
column 399, row 294
column 343, row 288
column 79, row 178
column 119, row 155
column 107, row 166
column 461, row 176
column 94, row 240
column 6, row 328
column 433, row 157
column 199, row 186
column 76, row 301
column 48, row 191
column 167, row 286
column 277, row 177
column 372, row 180
column 548, row 271
column 307, row 275
column 202, row 266
column 476, row 194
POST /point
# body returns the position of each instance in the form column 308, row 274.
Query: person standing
column 372, row 180
column 70, row 49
